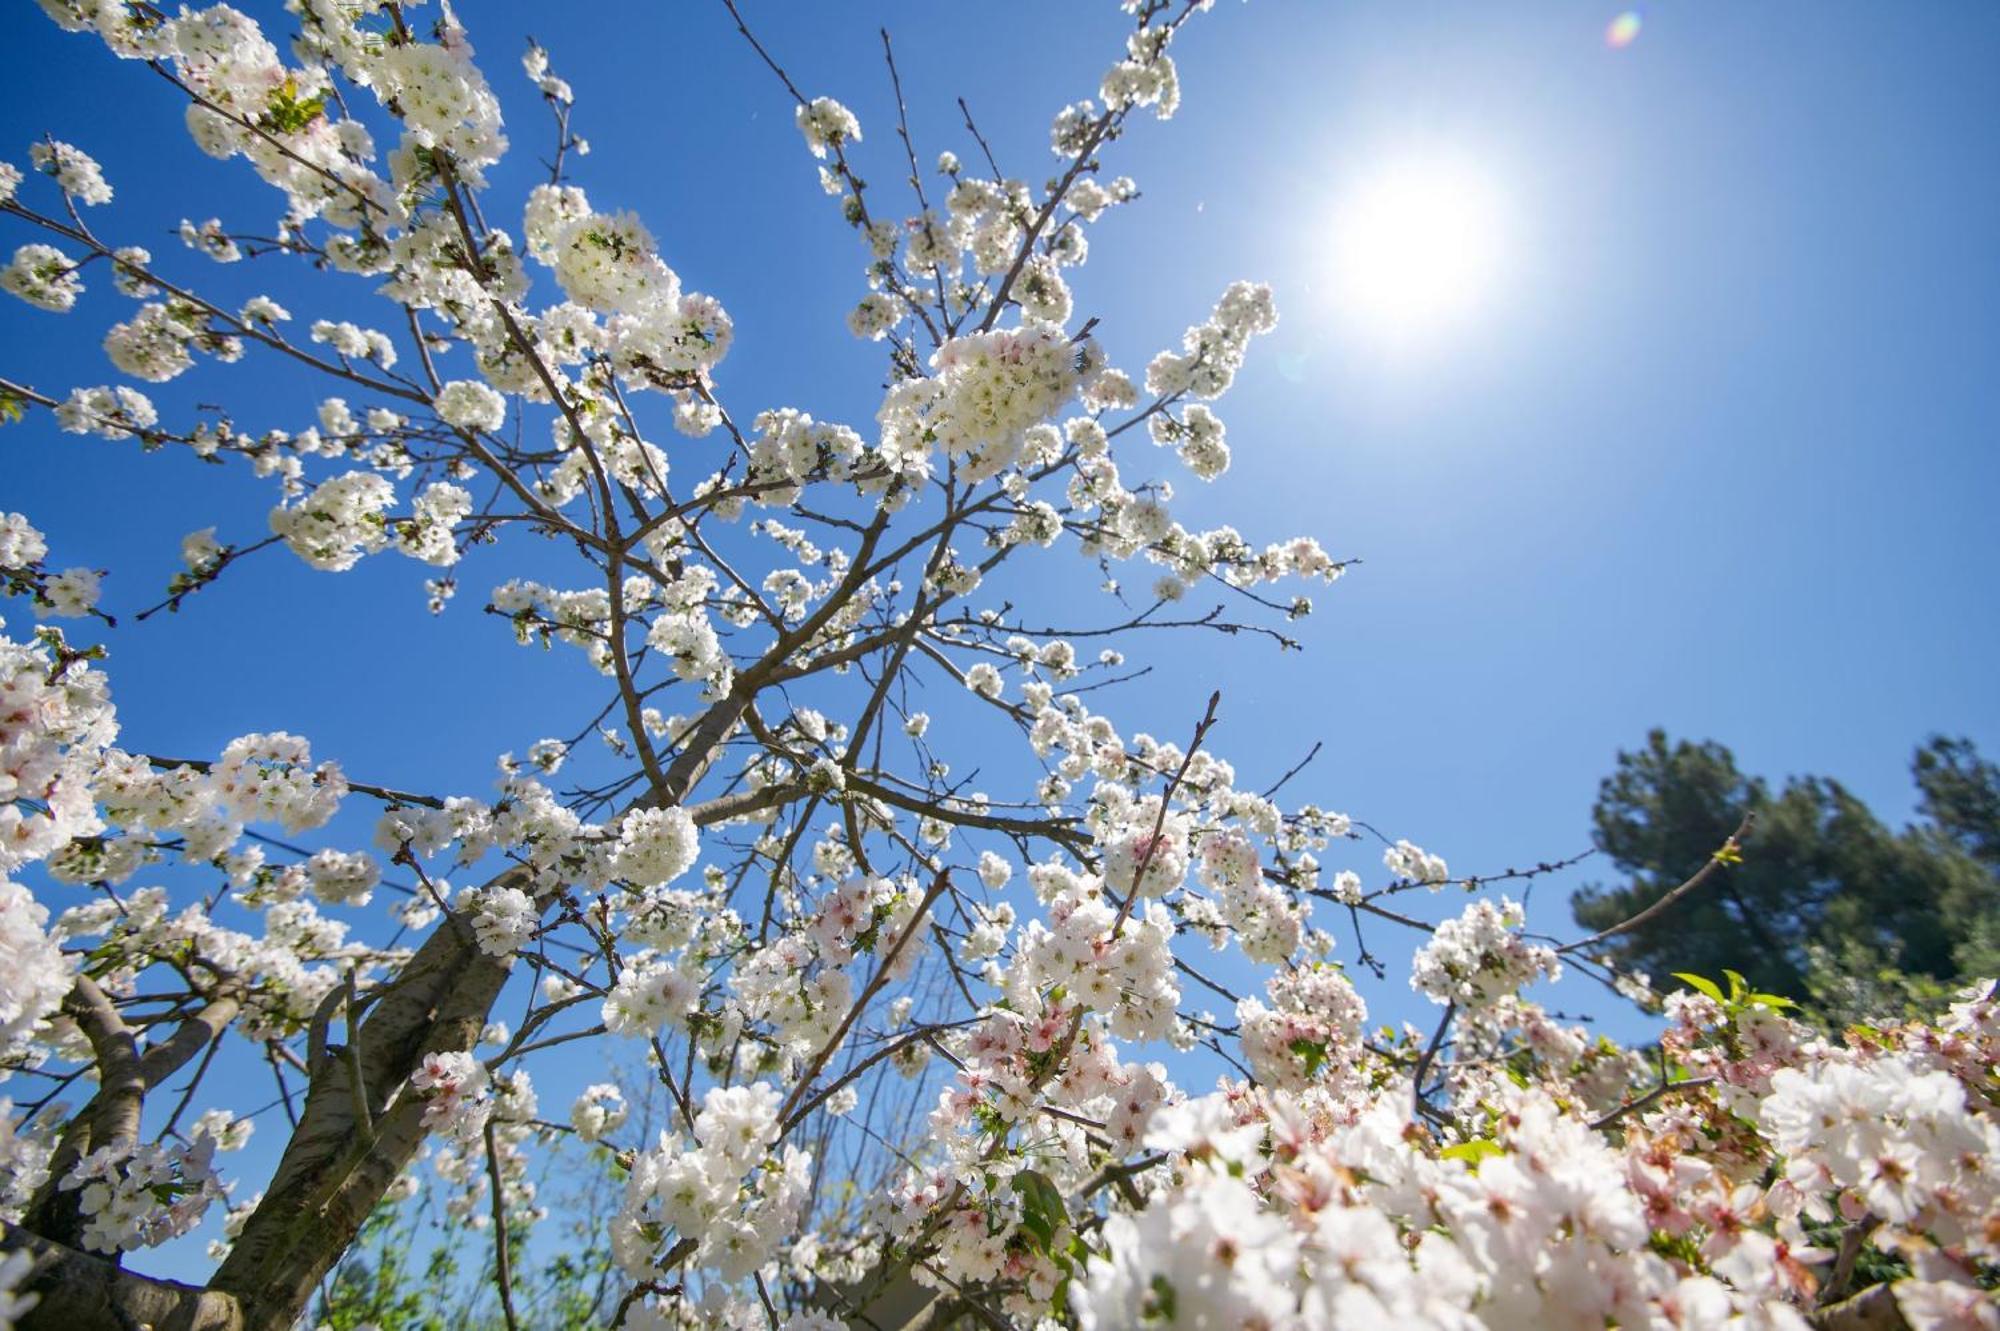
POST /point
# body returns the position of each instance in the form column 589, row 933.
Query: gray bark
column 79, row 1292
column 1873, row 1309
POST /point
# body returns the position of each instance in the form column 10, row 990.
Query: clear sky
column 1713, row 450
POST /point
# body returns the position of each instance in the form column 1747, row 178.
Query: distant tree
column 1961, row 796
column 1828, row 904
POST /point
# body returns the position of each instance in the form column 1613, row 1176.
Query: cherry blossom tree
column 790, row 912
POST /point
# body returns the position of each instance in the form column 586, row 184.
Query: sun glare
column 1416, row 246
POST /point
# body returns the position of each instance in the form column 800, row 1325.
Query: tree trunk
column 358, row 1129
column 79, row 1292
column 336, row 1167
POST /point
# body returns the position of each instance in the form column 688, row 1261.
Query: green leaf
column 1312, row 1051
column 1472, row 1152
column 1042, row 1210
column 1700, row 985
column 287, row 113
column 1679, row 1247
column 1160, row 1302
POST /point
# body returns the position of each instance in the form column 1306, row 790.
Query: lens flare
column 1622, row 31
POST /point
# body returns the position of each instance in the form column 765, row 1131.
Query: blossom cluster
column 1318, row 1205
column 726, row 1192
column 454, row 1087
column 1480, row 957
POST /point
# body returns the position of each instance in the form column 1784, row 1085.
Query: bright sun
column 1416, row 246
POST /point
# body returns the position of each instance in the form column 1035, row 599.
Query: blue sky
column 1714, row 454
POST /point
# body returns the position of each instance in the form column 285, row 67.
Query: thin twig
column 1726, row 854
column 1664, row 1088
column 1430, row 1053
column 501, row 1261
